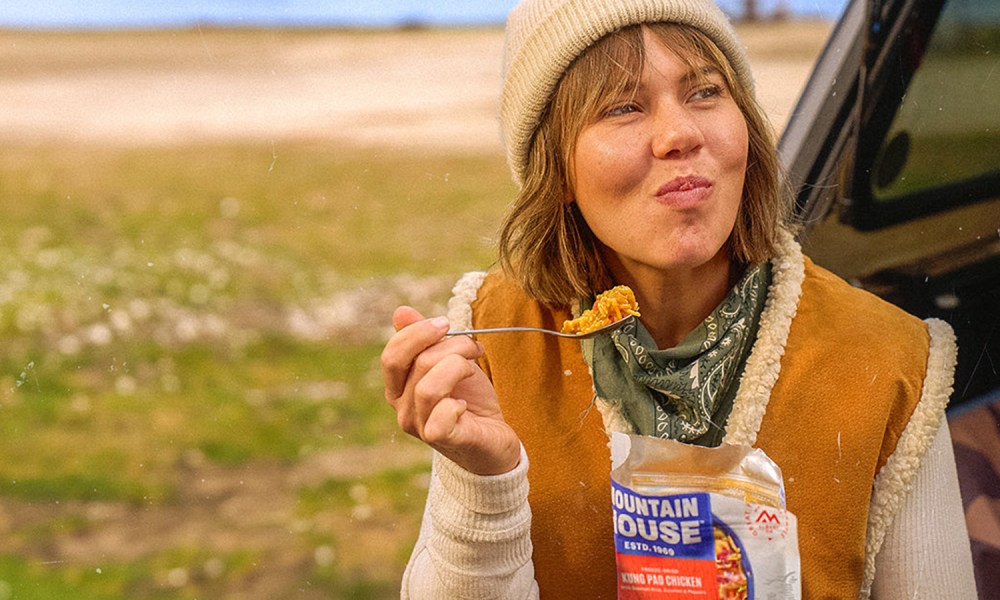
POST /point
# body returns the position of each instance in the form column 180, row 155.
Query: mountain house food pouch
column 694, row 522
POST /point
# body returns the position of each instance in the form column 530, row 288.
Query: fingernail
column 440, row 323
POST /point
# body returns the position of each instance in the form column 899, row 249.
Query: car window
column 946, row 132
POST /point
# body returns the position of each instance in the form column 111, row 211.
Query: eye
column 621, row 109
column 706, row 92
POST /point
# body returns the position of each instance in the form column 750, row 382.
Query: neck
column 672, row 303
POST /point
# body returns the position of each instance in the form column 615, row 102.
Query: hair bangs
column 608, row 72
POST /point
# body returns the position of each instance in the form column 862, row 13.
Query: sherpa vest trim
column 857, row 398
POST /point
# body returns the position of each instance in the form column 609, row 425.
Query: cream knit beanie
column 543, row 37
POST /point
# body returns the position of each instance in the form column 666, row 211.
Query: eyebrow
column 700, row 73
column 695, row 74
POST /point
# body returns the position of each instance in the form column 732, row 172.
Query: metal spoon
column 579, row 336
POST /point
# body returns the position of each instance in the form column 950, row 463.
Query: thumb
column 405, row 315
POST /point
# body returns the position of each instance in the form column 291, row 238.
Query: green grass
column 24, row 581
column 183, row 573
column 179, row 318
column 317, row 208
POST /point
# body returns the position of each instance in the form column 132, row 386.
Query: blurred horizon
column 111, row 14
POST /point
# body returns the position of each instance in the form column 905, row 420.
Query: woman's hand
column 442, row 397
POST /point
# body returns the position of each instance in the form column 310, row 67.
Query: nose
column 676, row 133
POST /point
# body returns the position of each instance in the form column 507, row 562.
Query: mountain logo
column 766, row 521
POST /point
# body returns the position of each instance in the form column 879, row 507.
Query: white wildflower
column 120, row 321
column 99, row 334
column 69, row 345
column 139, row 309
column 177, row 577
column 324, row 556
column 187, row 328
column 125, row 385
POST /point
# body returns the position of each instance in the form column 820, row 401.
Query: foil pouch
column 692, row 522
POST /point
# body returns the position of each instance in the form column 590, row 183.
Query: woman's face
column 658, row 175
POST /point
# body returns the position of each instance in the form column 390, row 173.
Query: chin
column 693, row 257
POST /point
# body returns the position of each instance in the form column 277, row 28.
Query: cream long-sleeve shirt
column 475, row 539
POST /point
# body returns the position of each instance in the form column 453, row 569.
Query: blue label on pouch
column 678, row 526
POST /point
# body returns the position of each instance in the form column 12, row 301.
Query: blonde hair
column 546, row 245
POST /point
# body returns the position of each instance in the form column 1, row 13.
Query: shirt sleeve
column 475, row 538
column 926, row 553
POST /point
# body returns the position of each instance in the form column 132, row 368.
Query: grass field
column 190, row 403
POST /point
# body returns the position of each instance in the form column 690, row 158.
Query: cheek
column 604, row 166
column 735, row 144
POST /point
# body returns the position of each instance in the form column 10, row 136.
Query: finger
column 438, row 384
column 403, row 348
column 405, row 315
column 401, row 368
column 462, row 346
column 406, row 419
column 410, row 419
column 442, row 423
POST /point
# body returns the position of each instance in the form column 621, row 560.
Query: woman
column 644, row 160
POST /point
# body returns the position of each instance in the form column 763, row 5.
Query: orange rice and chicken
column 609, row 307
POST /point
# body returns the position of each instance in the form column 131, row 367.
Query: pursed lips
column 684, row 192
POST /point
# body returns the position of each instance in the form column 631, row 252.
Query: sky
column 358, row 13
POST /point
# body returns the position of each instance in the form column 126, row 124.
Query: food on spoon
column 609, row 307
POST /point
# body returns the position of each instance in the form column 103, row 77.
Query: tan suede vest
column 833, row 380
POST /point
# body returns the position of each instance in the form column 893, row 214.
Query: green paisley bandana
column 686, row 392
